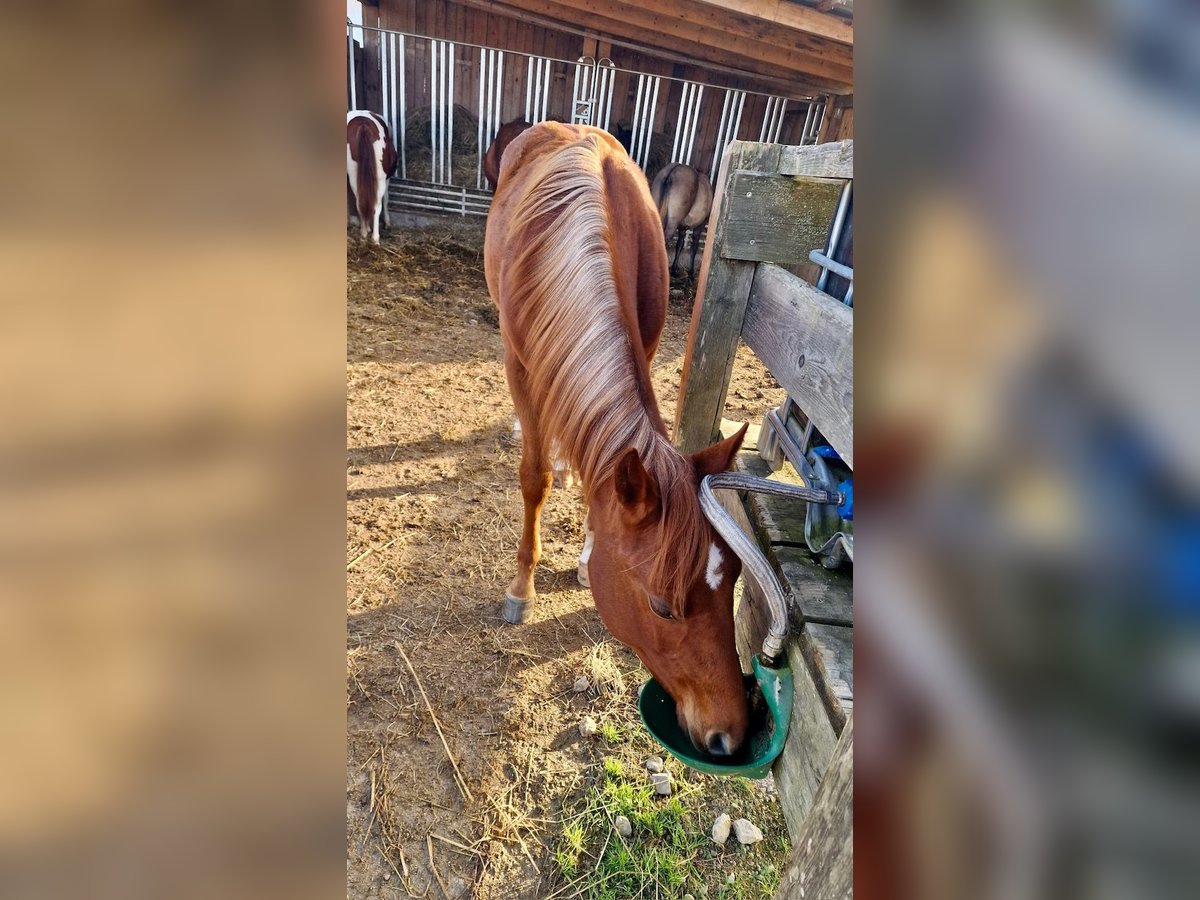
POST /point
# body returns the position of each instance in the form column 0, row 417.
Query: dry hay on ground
column 433, row 513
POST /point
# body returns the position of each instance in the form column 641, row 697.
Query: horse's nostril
column 719, row 743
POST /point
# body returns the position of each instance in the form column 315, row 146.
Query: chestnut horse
column 684, row 199
column 576, row 264
column 495, row 153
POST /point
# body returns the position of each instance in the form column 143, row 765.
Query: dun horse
column 684, row 199
column 576, row 264
column 370, row 162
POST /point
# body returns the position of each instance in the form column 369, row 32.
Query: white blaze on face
column 711, row 575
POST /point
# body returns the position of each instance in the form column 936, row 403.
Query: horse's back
column 540, row 160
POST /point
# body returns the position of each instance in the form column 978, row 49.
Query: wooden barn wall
column 453, row 21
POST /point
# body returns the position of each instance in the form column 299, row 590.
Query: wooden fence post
column 822, row 863
column 723, row 288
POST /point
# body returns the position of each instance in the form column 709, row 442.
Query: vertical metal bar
column 546, row 92
column 449, row 171
column 835, row 231
column 780, row 112
column 433, row 111
column 683, row 98
column 737, row 121
column 634, row 138
column 716, row 161
column 649, row 125
column 392, row 79
column 819, row 124
column 698, row 95
column 350, row 55
column 403, row 109
column 528, row 90
column 483, row 60
column 807, row 122
column 610, row 76
column 383, row 85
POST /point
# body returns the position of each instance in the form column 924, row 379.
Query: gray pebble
column 720, row 829
column 581, row 684
column 458, row 887
column 624, row 828
column 661, row 782
column 588, row 726
column 747, row 832
column 654, row 764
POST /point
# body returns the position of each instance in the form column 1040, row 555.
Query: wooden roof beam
column 552, row 14
column 789, row 15
column 651, row 20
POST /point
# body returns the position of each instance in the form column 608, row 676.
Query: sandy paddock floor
column 433, row 514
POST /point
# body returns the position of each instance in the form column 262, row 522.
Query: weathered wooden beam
column 779, row 219
column 723, row 289
column 834, row 160
column 550, row 14
column 790, row 15
column 806, row 339
column 804, row 55
column 822, row 863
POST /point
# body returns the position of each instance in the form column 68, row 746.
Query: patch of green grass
column 610, row 732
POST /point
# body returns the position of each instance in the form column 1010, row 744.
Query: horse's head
column 495, row 153
column 663, row 579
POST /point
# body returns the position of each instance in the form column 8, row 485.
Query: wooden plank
column 829, row 652
column 822, row 862
column 779, row 219
column 723, row 290
column 806, row 340
column 823, row 596
column 715, row 50
column 791, row 16
column 832, row 160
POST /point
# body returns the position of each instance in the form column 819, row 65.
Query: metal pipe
column 754, row 564
column 649, row 124
column 638, row 111
column 698, row 96
column 403, row 109
column 433, row 111
column 484, row 113
column 679, row 122
column 835, row 231
column 448, row 165
column 807, row 121
column 528, row 88
column 350, row 57
column 610, row 76
column 782, row 111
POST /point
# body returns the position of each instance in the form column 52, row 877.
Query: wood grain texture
column 822, row 863
column 779, row 219
column 829, row 650
column 723, row 289
column 832, row 160
column 806, row 340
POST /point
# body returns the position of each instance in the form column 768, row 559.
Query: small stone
column 654, row 764
column 458, row 887
column 387, row 876
column 729, row 878
column 688, row 897
column 588, row 726
column 581, row 684
column 624, row 828
column 747, row 832
column 661, row 782
column 720, row 829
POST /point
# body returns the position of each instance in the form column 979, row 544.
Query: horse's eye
column 660, row 607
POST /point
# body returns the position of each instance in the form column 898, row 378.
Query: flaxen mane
column 592, row 394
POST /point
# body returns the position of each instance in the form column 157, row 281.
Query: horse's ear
column 635, row 488
column 718, row 457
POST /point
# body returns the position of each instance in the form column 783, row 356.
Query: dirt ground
column 433, row 515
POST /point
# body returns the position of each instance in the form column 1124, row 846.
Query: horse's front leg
column 535, row 487
column 588, row 539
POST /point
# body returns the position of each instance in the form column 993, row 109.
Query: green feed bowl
column 770, row 693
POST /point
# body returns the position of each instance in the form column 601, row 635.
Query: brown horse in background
column 684, row 198
column 576, row 264
column 495, row 153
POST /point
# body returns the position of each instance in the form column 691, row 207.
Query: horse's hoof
column 515, row 611
column 582, row 574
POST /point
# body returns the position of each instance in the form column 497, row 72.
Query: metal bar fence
column 593, row 100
